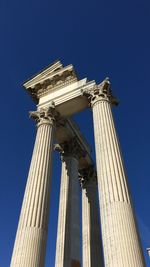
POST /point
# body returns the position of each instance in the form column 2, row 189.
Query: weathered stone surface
column 30, row 244
column 92, row 253
column 121, row 243
column 119, row 231
column 68, row 233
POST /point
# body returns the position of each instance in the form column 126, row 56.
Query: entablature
column 69, row 131
column 60, row 85
column 55, row 76
column 70, row 99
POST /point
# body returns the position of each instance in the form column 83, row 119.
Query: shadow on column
column 72, row 243
column 92, row 220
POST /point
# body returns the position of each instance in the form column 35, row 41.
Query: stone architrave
column 92, row 253
column 121, row 242
column 68, row 232
column 30, row 244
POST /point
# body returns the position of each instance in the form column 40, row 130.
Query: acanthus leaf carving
column 48, row 115
column 87, row 175
column 101, row 92
column 70, row 148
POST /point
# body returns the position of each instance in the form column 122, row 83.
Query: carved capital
column 101, row 92
column 87, row 175
column 47, row 115
column 70, row 148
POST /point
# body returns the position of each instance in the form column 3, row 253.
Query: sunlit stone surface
column 121, row 242
column 59, row 94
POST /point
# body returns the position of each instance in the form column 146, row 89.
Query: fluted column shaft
column 120, row 237
column 30, row 244
column 68, row 233
column 92, row 255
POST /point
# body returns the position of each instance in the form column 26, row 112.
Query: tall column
column 119, row 231
column 30, row 244
column 68, row 233
column 92, row 254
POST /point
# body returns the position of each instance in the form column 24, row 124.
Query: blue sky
column 100, row 38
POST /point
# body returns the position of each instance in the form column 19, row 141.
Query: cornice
column 43, row 73
column 51, row 85
column 50, row 80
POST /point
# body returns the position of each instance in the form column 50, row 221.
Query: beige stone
column 92, row 255
column 119, row 231
column 30, row 244
column 68, row 233
column 121, row 243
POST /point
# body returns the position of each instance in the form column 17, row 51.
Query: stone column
column 68, row 233
column 92, row 254
column 119, row 231
column 30, row 244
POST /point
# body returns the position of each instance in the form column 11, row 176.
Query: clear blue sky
column 100, row 38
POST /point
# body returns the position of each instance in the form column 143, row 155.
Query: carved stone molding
column 87, row 175
column 70, row 148
column 101, row 92
column 47, row 115
column 63, row 78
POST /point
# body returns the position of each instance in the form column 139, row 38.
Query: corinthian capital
column 87, row 175
column 101, row 92
column 70, row 148
column 46, row 115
